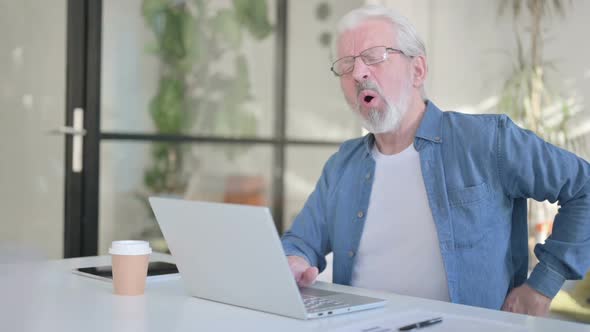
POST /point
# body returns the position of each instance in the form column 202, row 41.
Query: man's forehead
column 372, row 32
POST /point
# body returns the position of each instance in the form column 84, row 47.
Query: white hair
column 408, row 39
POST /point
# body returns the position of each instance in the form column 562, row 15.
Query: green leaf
column 191, row 39
column 225, row 24
column 242, row 81
column 151, row 10
column 259, row 26
column 167, row 107
column 254, row 15
column 241, row 7
column 172, row 41
column 201, row 8
column 152, row 48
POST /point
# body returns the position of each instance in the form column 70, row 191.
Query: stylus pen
column 422, row 324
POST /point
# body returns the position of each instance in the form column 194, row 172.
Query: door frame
column 84, row 24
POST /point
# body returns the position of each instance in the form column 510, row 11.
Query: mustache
column 367, row 85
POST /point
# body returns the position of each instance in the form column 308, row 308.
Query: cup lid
column 129, row 247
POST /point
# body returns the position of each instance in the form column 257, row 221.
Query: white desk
column 46, row 296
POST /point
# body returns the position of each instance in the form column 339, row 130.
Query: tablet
column 156, row 271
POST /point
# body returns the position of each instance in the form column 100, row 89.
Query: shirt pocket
column 470, row 215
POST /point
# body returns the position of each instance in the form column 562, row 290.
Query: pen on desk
column 422, row 324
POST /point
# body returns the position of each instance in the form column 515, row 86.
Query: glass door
column 32, row 104
column 48, row 121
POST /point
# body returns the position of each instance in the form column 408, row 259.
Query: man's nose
column 360, row 71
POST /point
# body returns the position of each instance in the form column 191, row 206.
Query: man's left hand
column 526, row 300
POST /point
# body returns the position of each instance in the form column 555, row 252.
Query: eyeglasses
column 370, row 56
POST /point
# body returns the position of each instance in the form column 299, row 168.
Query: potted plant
column 530, row 99
column 191, row 38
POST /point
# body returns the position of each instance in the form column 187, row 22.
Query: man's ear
column 420, row 70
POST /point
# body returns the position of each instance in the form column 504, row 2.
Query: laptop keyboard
column 319, row 303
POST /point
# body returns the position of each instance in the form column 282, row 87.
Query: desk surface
column 46, row 296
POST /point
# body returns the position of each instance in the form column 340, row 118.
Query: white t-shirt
column 399, row 250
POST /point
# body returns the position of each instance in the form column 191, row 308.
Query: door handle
column 78, row 132
column 65, row 130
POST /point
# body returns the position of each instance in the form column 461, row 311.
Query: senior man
column 430, row 203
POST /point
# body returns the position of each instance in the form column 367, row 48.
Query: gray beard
column 378, row 122
column 388, row 120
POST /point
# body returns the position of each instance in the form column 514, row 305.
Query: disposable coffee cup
column 130, row 263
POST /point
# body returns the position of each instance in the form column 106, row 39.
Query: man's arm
column 532, row 168
column 308, row 237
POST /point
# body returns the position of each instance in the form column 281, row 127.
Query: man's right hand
column 304, row 273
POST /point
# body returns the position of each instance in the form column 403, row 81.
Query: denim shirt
column 478, row 172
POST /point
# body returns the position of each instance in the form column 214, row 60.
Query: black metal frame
column 75, row 94
column 83, row 90
column 92, row 125
column 210, row 139
column 280, row 111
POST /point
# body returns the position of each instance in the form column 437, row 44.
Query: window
column 244, row 115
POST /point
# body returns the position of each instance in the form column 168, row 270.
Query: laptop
column 232, row 254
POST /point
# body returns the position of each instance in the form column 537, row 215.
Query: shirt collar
column 430, row 127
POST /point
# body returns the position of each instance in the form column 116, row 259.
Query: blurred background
column 104, row 103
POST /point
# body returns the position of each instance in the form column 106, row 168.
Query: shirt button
column 368, row 176
column 360, row 214
column 351, row 254
column 437, row 139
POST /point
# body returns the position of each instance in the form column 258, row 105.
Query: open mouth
column 368, row 98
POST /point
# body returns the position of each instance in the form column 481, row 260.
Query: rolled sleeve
column 545, row 280
column 294, row 246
